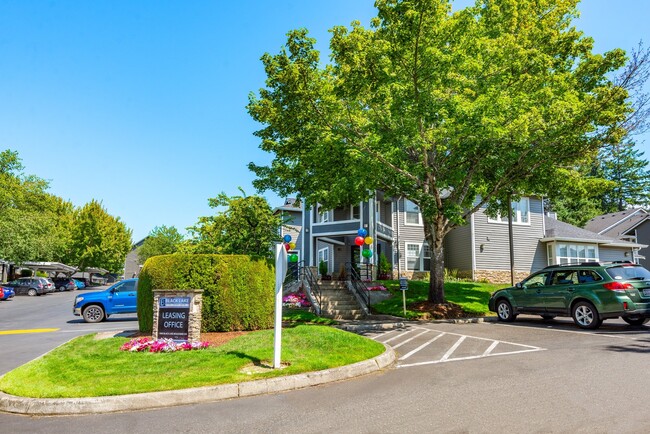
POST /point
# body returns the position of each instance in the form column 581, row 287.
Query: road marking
column 410, row 339
column 410, row 353
column 453, row 348
column 489, row 350
column 433, row 362
column 18, row 332
column 396, row 337
column 576, row 332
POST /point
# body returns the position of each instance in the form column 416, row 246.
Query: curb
column 151, row 400
column 370, row 326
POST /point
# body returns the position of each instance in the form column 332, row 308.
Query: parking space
column 429, row 344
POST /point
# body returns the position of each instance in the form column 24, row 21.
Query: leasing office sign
column 174, row 318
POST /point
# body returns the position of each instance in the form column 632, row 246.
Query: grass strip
column 85, row 367
column 471, row 296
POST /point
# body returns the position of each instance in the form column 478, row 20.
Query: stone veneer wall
column 491, row 276
column 499, row 276
column 196, row 303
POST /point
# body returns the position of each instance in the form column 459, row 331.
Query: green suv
column 589, row 293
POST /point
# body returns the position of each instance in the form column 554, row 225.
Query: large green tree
column 162, row 240
column 98, row 239
column 452, row 110
column 247, row 226
column 34, row 224
column 625, row 166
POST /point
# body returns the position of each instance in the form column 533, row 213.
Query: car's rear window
column 629, row 272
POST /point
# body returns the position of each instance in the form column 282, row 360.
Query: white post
column 280, row 272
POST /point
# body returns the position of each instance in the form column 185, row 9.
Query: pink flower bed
column 161, row 345
column 377, row 288
column 296, row 299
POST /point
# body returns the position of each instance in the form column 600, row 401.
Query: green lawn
column 471, row 296
column 302, row 316
column 87, row 367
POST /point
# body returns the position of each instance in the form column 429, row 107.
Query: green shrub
column 322, row 268
column 238, row 291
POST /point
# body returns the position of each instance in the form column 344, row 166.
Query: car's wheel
column 61, row 288
column 32, row 292
column 586, row 316
column 504, row 311
column 93, row 313
column 548, row 317
column 636, row 321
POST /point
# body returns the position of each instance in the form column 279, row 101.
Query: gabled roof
column 290, row 204
column 618, row 223
column 560, row 231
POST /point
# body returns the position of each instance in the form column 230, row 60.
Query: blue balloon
column 362, row 232
column 287, row 238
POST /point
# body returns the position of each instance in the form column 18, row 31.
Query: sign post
column 403, row 286
column 280, row 272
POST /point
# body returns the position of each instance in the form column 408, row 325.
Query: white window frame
column 324, row 255
column 419, row 259
column 555, row 257
column 322, row 216
column 517, row 215
column 352, row 207
column 406, row 212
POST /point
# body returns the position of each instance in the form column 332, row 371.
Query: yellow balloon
column 292, row 245
column 368, row 240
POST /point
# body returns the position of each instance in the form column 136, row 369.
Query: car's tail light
column 617, row 286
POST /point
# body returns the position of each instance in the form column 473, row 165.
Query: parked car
column 64, row 284
column 80, row 284
column 49, row 284
column 6, row 292
column 99, row 305
column 28, row 286
column 589, row 293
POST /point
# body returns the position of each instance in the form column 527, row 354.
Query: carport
column 50, row 267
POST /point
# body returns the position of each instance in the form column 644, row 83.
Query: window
column 574, row 253
column 520, row 213
column 322, row 215
column 412, row 213
column 418, row 257
column 355, row 212
column 324, row 255
column 536, row 280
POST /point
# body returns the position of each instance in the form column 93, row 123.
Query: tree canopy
column 452, row 110
column 247, row 227
column 162, row 240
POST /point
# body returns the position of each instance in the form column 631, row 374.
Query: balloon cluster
column 290, row 245
column 361, row 239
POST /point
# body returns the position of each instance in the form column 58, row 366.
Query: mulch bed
column 440, row 311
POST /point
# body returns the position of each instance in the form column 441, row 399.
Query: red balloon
column 287, row 246
column 359, row 241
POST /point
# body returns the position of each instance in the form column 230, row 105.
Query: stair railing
column 312, row 288
column 357, row 284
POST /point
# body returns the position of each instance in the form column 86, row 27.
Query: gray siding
column 643, row 237
column 405, row 234
column 458, row 249
column 293, row 227
column 608, row 254
column 492, row 247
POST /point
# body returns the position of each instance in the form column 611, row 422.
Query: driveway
column 527, row 376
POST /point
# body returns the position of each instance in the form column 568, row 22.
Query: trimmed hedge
column 238, row 291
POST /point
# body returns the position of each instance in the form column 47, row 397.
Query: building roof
column 560, row 231
column 290, row 204
column 618, row 223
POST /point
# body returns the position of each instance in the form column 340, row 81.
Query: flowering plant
column 295, row 299
column 161, row 345
column 377, row 288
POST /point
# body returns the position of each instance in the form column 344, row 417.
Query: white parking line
column 396, row 337
column 410, row 339
column 490, row 348
column 424, row 345
column 577, row 332
column 453, row 348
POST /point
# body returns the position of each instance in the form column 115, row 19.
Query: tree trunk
column 434, row 233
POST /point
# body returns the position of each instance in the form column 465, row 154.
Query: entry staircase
column 337, row 302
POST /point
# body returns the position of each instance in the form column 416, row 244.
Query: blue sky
column 141, row 104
